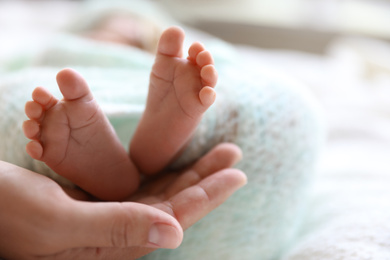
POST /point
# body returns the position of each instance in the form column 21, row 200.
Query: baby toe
column 194, row 50
column 73, row 86
column 209, row 75
column 33, row 110
column 35, row 150
column 204, row 58
column 43, row 97
column 31, row 129
column 171, row 42
column 207, row 96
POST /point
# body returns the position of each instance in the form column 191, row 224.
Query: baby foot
column 184, row 84
column 180, row 91
column 75, row 139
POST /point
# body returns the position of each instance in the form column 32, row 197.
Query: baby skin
column 75, row 139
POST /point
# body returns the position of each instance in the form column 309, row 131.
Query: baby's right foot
column 75, row 139
column 180, row 91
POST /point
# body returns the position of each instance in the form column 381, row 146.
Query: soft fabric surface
column 274, row 120
column 348, row 216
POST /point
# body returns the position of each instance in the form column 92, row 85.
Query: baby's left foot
column 180, row 91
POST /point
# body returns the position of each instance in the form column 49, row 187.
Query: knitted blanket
column 274, row 121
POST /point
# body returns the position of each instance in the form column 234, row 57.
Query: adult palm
column 41, row 220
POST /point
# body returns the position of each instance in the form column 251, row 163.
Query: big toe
column 171, row 42
column 72, row 85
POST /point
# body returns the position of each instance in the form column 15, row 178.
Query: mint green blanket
column 272, row 119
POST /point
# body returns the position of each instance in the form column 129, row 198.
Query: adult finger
column 188, row 207
column 119, row 225
column 222, row 156
column 193, row 203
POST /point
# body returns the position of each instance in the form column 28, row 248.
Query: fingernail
column 164, row 236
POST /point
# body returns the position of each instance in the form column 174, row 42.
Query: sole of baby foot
column 75, row 139
column 180, row 92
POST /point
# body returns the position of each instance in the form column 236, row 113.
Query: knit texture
column 279, row 133
column 274, row 121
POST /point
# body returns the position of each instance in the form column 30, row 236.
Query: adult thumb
column 126, row 224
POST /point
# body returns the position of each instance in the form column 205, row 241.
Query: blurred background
column 340, row 49
column 307, row 25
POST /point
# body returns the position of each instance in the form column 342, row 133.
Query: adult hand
column 39, row 220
